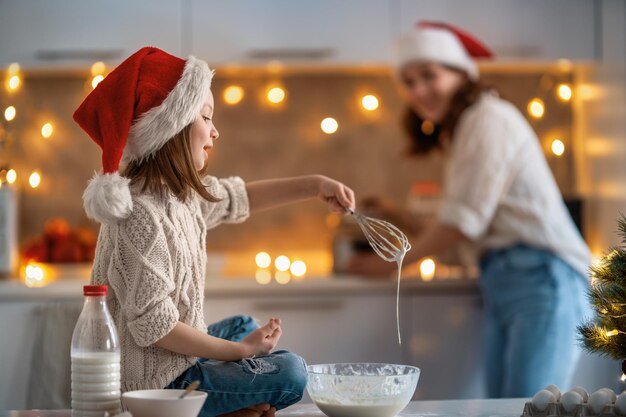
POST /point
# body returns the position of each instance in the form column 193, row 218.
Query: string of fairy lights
column 280, row 269
column 232, row 95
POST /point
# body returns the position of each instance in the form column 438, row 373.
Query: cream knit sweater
column 154, row 264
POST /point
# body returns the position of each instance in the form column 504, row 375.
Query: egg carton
column 557, row 410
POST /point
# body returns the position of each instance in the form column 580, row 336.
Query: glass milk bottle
column 95, row 358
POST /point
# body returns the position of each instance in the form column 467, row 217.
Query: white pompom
column 107, row 198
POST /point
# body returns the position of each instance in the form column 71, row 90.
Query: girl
column 153, row 114
column 499, row 194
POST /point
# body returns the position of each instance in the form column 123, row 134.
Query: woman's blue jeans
column 278, row 379
column 533, row 303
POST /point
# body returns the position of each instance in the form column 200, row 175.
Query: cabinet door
column 73, row 33
column 324, row 329
column 527, row 29
column 445, row 342
column 305, row 31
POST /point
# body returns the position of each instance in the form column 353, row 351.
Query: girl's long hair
column 170, row 168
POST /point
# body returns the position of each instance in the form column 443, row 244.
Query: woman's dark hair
column 425, row 137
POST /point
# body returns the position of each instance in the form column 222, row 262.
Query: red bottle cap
column 95, row 290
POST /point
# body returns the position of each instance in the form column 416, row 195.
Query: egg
column 620, row 404
column 554, row 390
column 598, row 400
column 570, row 400
column 611, row 394
column 542, row 399
column 583, row 393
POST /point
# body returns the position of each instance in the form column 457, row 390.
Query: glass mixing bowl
column 361, row 389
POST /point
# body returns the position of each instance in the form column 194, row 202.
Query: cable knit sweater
column 154, row 264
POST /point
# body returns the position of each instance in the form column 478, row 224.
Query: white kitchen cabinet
column 81, row 32
column 445, row 341
column 324, row 329
column 324, row 31
column 517, row 29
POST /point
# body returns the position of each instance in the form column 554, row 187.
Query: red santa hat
column 132, row 113
column 443, row 43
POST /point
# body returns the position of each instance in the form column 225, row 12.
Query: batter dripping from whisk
column 389, row 243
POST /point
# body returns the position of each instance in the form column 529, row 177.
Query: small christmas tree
column 606, row 334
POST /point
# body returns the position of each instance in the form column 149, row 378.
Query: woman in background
column 500, row 195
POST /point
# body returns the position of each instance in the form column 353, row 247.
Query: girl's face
column 429, row 88
column 203, row 133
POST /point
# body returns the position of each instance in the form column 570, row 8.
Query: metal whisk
column 386, row 239
column 389, row 243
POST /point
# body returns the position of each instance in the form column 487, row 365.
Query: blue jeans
column 533, row 303
column 278, row 379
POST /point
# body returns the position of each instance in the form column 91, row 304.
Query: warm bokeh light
column 558, row 147
column 11, row 176
column 427, row 127
column 14, row 68
column 282, row 277
column 96, row 80
column 329, row 125
column 263, row 276
column 564, row 64
column 14, row 82
column 233, row 95
column 34, row 276
column 263, row 260
column 612, row 333
column 98, row 68
column 369, row 102
column 282, row 263
column 564, row 92
column 9, row 113
column 298, row 268
column 35, row 179
column 275, row 95
column 536, row 108
column 427, row 269
column 46, row 130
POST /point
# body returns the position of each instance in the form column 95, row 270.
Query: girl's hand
column 338, row 197
column 263, row 340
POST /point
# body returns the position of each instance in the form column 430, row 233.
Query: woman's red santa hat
column 441, row 43
column 131, row 114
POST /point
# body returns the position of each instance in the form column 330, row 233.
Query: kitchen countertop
column 459, row 408
column 71, row 289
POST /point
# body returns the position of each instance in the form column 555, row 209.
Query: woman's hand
column 370, row 265
column 263, row 340
column 338, row 197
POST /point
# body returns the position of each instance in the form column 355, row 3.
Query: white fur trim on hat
column 107, row 198
column 181, row 107
column 434, row 45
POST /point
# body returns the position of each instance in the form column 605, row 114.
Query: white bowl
column 361, row 389
column 163, row 403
